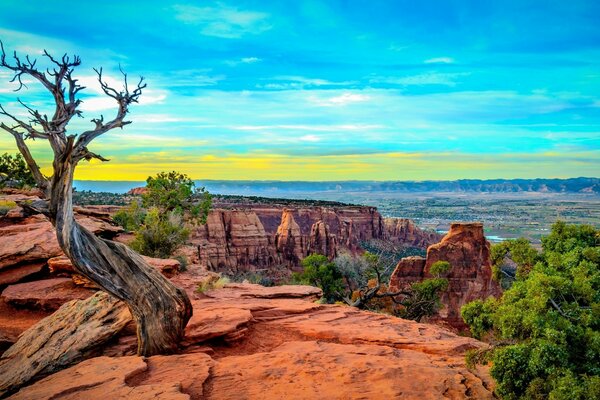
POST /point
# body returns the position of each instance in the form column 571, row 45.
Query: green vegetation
column 131, row 217
column 161, row 234
column 546, row 327
column 176, row 192
column 212, row 283
column 6, row 206
column 14, row 172
column 358, row 281
column 319, row 271
column 159, row 223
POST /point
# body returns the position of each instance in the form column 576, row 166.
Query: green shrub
column 319, row 271
column 547, row 325
column 131, row 217
column 160, row 235
column 14, row 172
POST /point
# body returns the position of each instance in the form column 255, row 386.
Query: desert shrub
column 130, row 217
column 176, row 192
column 319, row 271
column 14, row 172
column 159, row 223
column 210, row 284
column 183, row 262
column 547, row 325
column 6, row 206
column 260, row 277
column 160, row 235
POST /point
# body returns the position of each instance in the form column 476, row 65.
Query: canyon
column 244, row 340
column 248, row 237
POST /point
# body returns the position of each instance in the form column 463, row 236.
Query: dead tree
column 160, row 309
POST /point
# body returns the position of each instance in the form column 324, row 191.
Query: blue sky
column 315, row 90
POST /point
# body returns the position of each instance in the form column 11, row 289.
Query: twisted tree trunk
column 160, row 309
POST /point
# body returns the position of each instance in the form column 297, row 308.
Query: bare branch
column 40, row 179
column 123, row 98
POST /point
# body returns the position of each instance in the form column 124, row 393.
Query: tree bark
column 160, row 309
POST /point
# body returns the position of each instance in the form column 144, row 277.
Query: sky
column 326, row 90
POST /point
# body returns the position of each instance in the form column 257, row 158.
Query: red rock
column 168, row 267
column 138, row 191
column 60, row 264
column 19, row 272
column 249, row 290
column 69, row 335
column 255, row 236
column 28, row 243
column 402, row 230
column 470, row 277
column 283, row 346
column 209, row 323
column 101, row 378
column 319, row 370
column 322, row 241
column 48, row 294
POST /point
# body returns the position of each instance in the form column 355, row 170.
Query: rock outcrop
column 65, row 337
column 28, row 241
column 248, row 341
column 254, row 236
column 470, row 277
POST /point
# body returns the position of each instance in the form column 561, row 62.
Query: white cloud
column 440, row 60
column 310, row 138
column 223, row 21
column 312, row 128
column 286, row 82
column 341, row 100
column 243, row 60
column 428, row 78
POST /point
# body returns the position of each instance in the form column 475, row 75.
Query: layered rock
column 61, row 339
column 28, row 241
column 403, row 230
column 470, row 277
column 249, row 341
column 260, row 236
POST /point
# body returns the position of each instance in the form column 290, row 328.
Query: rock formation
column 61, row 339
column 254, row 236
column 248, row 341
column 470, row 277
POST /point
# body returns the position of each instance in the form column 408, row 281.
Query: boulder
column 65, row 337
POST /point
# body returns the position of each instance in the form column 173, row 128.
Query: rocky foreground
column 247, row 342
column 62, row 339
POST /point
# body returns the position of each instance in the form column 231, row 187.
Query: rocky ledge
column 247, row 341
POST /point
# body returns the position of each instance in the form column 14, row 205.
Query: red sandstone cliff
column 470, row 278
column 263, row 236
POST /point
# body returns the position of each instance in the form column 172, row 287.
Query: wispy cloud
column 428, row 78
column 286, row 82
column 223, row 21
column 439, row 60
column 341, row 100
column 243, row 60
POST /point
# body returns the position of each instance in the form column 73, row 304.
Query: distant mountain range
column 280, row 188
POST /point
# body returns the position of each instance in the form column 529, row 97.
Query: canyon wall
column 250, row 237
column 469, row 278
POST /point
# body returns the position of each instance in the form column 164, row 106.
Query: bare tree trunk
column 160, row 309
